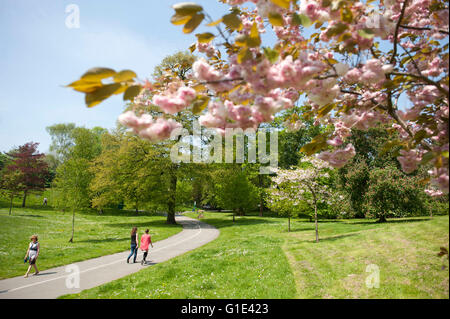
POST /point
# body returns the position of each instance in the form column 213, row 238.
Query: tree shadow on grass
column 240, row 221
column 153, row 223
column 94, row 241
column 22, row 215
column 391, row 221
column 294, row 230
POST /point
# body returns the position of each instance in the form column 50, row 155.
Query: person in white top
column 32, row 254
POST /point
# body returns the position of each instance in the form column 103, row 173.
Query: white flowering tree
column 306, row 183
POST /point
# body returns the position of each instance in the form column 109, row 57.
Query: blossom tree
column 353, row 64
column 306, row 183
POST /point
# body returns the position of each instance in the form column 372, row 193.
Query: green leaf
column 337, row 29
column 200, row 104
column 244, row 55
column 346, row 15
column 101, row 94
column 179, row 20
column 85, row 86
column 318, row 143
column 132, row 92
column 187, row 8
column 325, row 110
column 254, row 40
column 366, row 33
column 271, row 54
column 213, row 24
column 232, row 21
column 428, row 156
column 285, row 4
column 124, row 75
column 205, row 37
column 96, row 74
column 193, row 23
column 276, row 19
column 301, row 19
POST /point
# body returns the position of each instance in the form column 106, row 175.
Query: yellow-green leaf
column 213, row 24
column 325, row 110
column 132, row 92
column 301, row 19
column 200, row 104
column 276, row 19
column 282, row 3
column 232, row 21
column 124, row 75
column 243, row 55
column 187, row 8
column 205, row 37
column 193, row 23
column 96, row 74
column 101, row 94
column 179, row 20
column 366, row 33
column 254, row 40
column 271, row 54
column 85, row 86
column 241, row 40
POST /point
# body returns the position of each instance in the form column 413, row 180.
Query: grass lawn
column 95, row 235
column 257, row 258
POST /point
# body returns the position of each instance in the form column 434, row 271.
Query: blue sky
column 39, row 54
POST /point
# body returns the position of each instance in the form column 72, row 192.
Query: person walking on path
column 32, row 254
column 45, row 202
column 134, row 246
column 146, row 239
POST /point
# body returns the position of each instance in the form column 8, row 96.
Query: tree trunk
column 234, row 214
column 289, row 224
column 10, row 204
column 172, row 199
column 73, row 226
column 260, row 197
column 381, row 219
column 24, row 198
column 431, row 212
column 315, row 218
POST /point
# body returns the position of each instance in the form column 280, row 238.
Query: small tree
column 306, row 183
column 11, row 185
column 32, row 167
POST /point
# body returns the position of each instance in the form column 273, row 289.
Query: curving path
column 55, row 282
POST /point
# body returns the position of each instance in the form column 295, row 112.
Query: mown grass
column 95, row 235
column 245, row 261
column 257, row 258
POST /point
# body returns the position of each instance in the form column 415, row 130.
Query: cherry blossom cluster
column 341, row 68
column 147, row 128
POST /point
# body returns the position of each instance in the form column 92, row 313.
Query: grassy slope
column 246, row 261
column 95, row 235
column 257, row 258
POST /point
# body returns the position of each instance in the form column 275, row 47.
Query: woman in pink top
column 145, row 241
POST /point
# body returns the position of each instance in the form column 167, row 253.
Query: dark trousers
column 145, row 254
column 133, row 251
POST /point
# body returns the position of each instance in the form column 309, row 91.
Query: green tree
column 74, row 176
column 62, row 140
column 235, row 191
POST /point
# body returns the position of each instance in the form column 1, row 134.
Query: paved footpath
column 55, row 282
